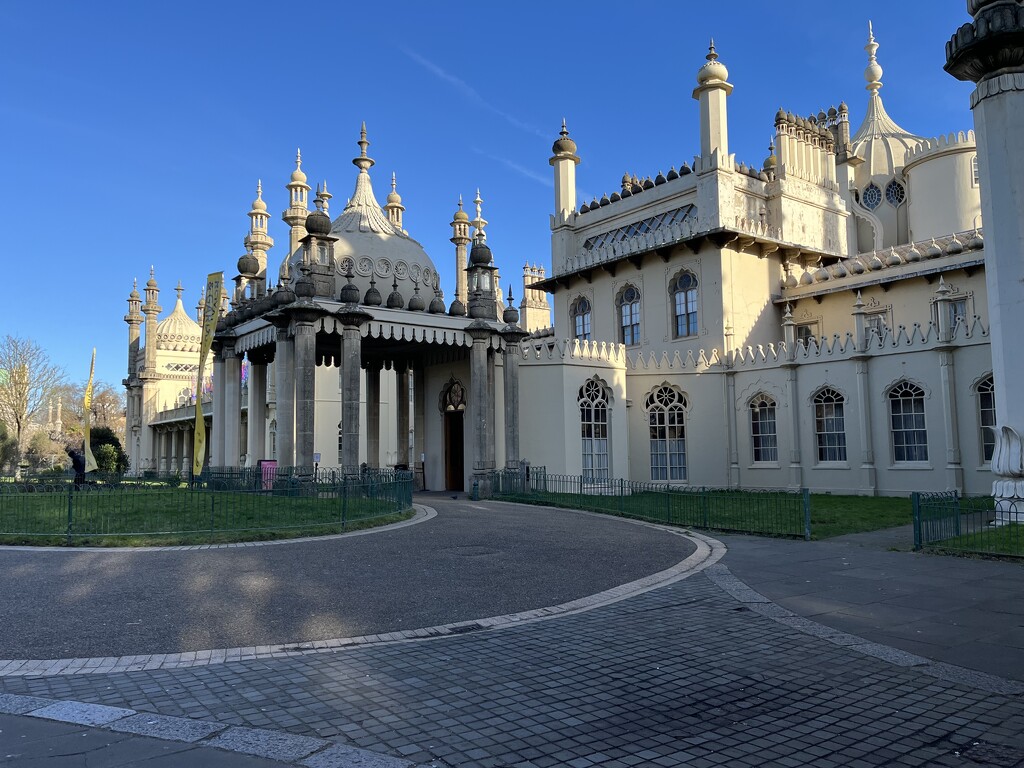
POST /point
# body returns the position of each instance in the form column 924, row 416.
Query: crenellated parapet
column 954, row 142
column 562, row 351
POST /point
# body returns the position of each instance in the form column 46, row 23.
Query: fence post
column 704, row 506
column 213, row 502
column 668, row 505
column 915, row 502
column 807, row 513
column 71, row 492
column 622, row 491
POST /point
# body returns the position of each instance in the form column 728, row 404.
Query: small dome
column 372, row 297
column 856, row 268
column 284, row 295
column 248, row 264
column 604, row 201
column 510, row 316
column 933, row 250
column 178, row 331
column 480, row 253
column 135, row 293
column 648, row 184
column 394, row 198
column 954, row 247
column 584, row 208
column 874, row 263
column 349, row 292
column 615, row 197
column 806, row 279
column 318, row 223
column 436, row 304
column 564, row 145
column 416, row 303
column 395, row 300
column 684, row 169
column 839, row 270
column 673, row 174
column 305, row 288
column 457, row 309
column 626, row 181
column 713, row 70
column 659, row 179
column 791, row 281
column 298, row 177
column 976, row 241
column 460, row 215
column 626, row 192
column 780, row 116
column 913, row 255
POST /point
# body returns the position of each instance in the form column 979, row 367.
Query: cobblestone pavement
column 694, row 673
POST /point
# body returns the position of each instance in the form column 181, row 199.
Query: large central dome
column 370, row 246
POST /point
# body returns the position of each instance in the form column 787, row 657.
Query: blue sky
column 133, row 134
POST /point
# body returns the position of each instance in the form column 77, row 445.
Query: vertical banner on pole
column 90, row 460
column 211, row 313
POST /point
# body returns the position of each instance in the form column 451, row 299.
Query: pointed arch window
column 684, row 298
column 628, row 305
column 764, row 438
column 580, row 312
column 830, row 425
column 906, row 413
column 872, row 197
column 895, row 193
column 666, row 414
column 987, row 416
column 593, row 403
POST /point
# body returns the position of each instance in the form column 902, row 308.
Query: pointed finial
column 460, row 201
column 511, row 298
column 135, row 283
column 298, row 158
column 394, row 182
column 179, row 290
column 873, row 72
column 564, row 131
column 363, row 162
column 712, row 55
column 259, row 189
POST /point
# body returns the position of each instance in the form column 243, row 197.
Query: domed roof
column 178, row 332
column 713, row 70
column 564, row 145
column 370, row 245
column 298, row 177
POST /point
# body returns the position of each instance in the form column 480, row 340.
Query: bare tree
column 107, row 410
column 27, row 377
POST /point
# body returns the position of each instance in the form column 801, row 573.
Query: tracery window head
column 683, row 290
column 872, row 196
column 453, row 396
column 986, row 390
column 593, row 403
column 580, row 314
column 895, row 193
column 628, row 305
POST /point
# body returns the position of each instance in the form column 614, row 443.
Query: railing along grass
column 133, row 515
column 948, row 522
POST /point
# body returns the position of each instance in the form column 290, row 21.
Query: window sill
column 764, row 465
column 903, row 466
column 832, row 465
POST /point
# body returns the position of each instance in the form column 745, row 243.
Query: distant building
column 813, row 320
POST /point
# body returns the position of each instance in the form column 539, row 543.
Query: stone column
column 478, row 394
column 795, row 460
column 954, row 469
column 419, row 411
column 731, row 421
column 256, row 437
column 305, row 385
column 512, row 336
column 188, row 438
column 403, row 417
column 990, row 52
column 351, row 317
column 491, row 410
column 869, row 475
column 284, row 367
column 216, row 435
column 232, row 403
column 373, row 413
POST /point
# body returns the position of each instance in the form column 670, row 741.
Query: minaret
column 134, row 320
column 394, row 206
column 298, row 209
column 460, row 236
column 712, row 91
column 564, row 161
column 152, row 312
column 258, row 240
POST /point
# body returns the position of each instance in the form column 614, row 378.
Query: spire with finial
column 394, row 206
column 363, row 162
column 179, row 290
column 298, row 191
column 873, row 72
column 479, row 222
column 326, row 197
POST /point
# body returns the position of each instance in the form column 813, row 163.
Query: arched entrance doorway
column 453, row 411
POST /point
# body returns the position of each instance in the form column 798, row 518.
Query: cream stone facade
column 818, row 319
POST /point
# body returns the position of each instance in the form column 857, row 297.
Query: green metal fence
column 771, row 512
column 971, row 525
column 225, row 501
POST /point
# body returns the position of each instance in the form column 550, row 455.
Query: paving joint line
column 720, row 575
column 708, row 552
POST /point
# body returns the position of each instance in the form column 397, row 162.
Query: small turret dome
column 713, row 70
column 564, row 145
column 318, row 223
column 457, row 309
column 460, row 215
column 258, row 204
column 248, row 264
column 437, row 303
column 780, row 116
column 349, row 292
column 395, row 300
column 480, row 253
column 372, row 297
column 416, row 303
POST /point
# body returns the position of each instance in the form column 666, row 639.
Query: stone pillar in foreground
column 232, row 403
column 989, row 51
column 351, row 317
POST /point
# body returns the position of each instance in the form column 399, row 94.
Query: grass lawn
column 767, row 513
column 149, row 516
column 995, row 540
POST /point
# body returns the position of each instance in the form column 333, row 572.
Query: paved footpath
column 703, row 670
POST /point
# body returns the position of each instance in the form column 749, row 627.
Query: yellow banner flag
column 90, row 460
column 211, row 314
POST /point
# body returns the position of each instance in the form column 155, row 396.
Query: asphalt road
column 468, row 562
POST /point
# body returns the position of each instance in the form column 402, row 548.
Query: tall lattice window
column 684, row 296
column 580, row 312
column 906, row 412
column 872, row 197
column 593, row 403
column 273, row 439
column 987, row 416
column 666, row 409
column 763, row 435
column 628, row 304
column 830, row 425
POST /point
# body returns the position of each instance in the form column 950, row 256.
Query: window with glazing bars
column 830, row 425
column 906, row 412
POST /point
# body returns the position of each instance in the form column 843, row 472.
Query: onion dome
column 806, row 279
column 839, row 270
column 318, row 223
column 460, row 215
column 648, row 183
column 178, row 331
column 615, row 197
column 298, row 177
column 874, row 263
column 659, row 179
column 832, row 114
column 913, row 255
column 954, row 246
column 742, row 168
column 135, row 291
column 437, row 303
column 627, row 182
column 416, row 303
column 480, row 253
column 684, row 169
column 372, row 297
column 393, row 197
column 305, row 288
column 791, row 281
column 780, row 116
column 564, row 145
column 673, row 174
column 604, row 200
column 714, row 70
column 627, row 192
column 511, row 315
column 933, row 250
column 791, row 119
column 395, row 300
column 350, row 291
column 284, row 294
column 457, row 309
column 248, row 264
column 151, row 283
column 856, row 267
column 976, row 242
column 584, row 208
column 821, row 275
column 594, row 205
column 822, row 117
column 258, row 204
